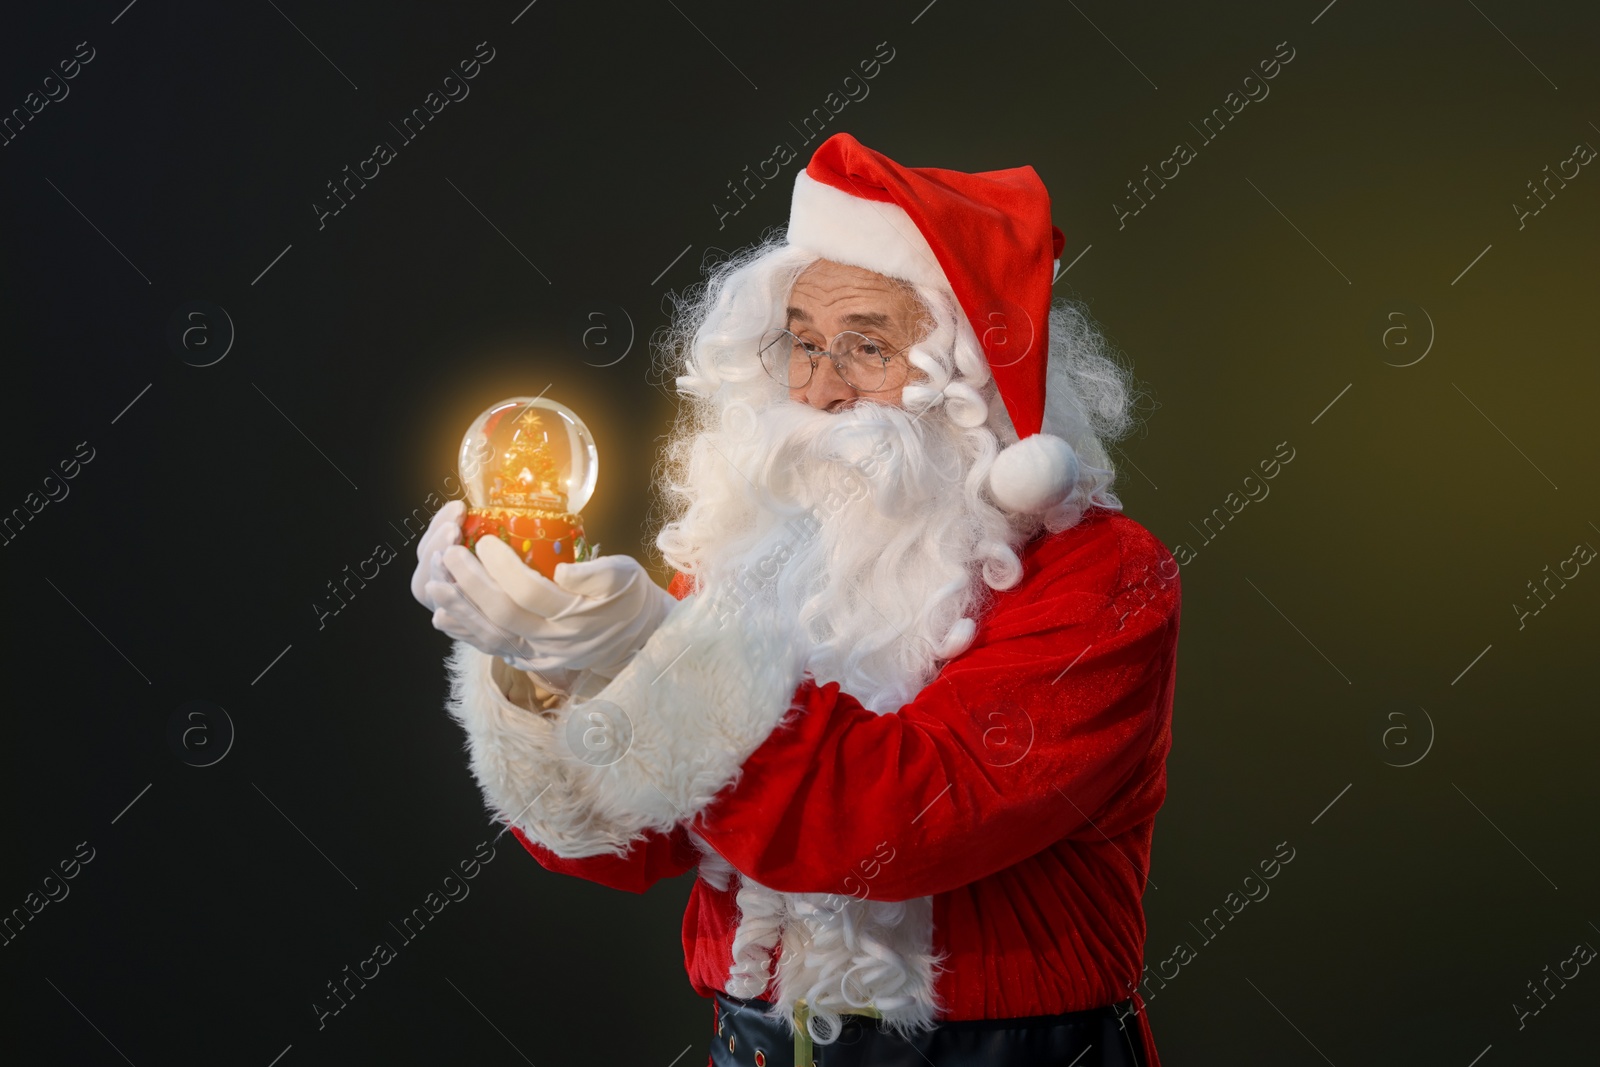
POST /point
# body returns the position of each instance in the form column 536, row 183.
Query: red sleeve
column 1054, row 724
column 654, row 856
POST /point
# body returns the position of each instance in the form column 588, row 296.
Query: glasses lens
column 785, row 358
column 862, row 360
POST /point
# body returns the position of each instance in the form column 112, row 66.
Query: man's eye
column 810, row 349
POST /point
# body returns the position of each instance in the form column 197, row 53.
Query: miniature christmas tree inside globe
column 529, row 465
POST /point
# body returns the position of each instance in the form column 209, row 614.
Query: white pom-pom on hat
column 1034, row 474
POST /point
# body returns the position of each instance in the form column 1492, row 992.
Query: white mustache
column 868, row 448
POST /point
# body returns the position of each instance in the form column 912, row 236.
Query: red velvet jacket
column 1018, row 789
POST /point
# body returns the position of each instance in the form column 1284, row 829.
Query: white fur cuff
column 525, row 773
column 646, row 752
column 676, row 726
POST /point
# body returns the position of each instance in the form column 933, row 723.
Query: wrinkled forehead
column 836, row 296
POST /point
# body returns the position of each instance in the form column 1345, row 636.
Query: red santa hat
column 985, row 238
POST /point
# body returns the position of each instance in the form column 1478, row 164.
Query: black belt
column 1100, row 1037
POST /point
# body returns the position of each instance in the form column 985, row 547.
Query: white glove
column 443, row 531
column 594, row 616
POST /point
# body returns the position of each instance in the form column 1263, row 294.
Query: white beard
column 864, row 527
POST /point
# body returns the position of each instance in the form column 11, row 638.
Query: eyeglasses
column 862, row 361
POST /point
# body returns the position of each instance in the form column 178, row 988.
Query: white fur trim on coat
column 838, row 953
column 649, row 750
column 874, row 235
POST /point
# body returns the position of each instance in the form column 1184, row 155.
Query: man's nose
column 825, row 391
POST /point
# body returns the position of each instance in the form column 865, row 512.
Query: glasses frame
column 838, row 367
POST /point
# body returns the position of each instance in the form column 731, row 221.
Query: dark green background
column 1245, row 296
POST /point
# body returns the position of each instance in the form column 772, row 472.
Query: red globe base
column 540, row 539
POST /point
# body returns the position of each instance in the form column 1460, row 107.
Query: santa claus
column 906, row 703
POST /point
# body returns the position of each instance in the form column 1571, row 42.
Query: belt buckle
column 804, row 1049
